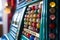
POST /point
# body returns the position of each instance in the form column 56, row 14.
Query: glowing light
column 7, row 10
column 6, row 4
column 52, row 4
column 52, row 17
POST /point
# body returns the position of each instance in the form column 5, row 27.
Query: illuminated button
column 34, row 24
column 34, row 20
column 29, row 27
column 34, row 15
column 52, row 25
column 25, row 26
column 52, row 36
column 52, row 17
column 39, row 15
column 52, row 4
column 38, row 25
column 28, row 16
column 25, row 16
column 38, row 20
column 32, row 11
column 52, row 10
column 28, row 35
column 27, row 19
column 33, row 7
column 31, row 15
column 30, row 19
column 29, row 23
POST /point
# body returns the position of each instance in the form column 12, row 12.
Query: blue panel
column 24, row 38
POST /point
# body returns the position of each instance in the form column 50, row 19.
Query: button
column 31, row 15
column 32, row 11
column 52, row 10
column 38, row 20
column 34, row 15
column 34, row 20
column 38, row 25
column 52, row 4
column 52, row 25
column 52, row 17
column 28, row 35
column 52, row 35
column 33, row 7
column 29, row 23
column 30, row 19
column 34, row 24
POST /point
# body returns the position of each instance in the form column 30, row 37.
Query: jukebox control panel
column 32, row 21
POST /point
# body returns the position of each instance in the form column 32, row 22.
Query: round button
column 38, row 25
column 34, row 19
column 52, row 25
column 31, row 15
column 52, row 17
column 38, row 20
column 33, row 7
column 52, row 4
column 34, row 24
column 29, row 27
column 25, row 26
column 25, row 16
column 32, row 11
column 27, row 19
column 29, row 23
column 52, row 10
column 52, row 35
column 28, row 16
column 30, row 19
column 39, row 15
column 34, row 15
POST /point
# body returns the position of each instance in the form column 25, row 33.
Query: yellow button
column 52, row 4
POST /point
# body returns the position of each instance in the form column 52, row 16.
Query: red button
column 34, row 24
column 52, row 26
column 33, row 7
column 28, row 35
column 52, row 17
column 52, row 35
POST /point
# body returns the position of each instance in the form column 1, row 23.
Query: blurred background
column 6, row 14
